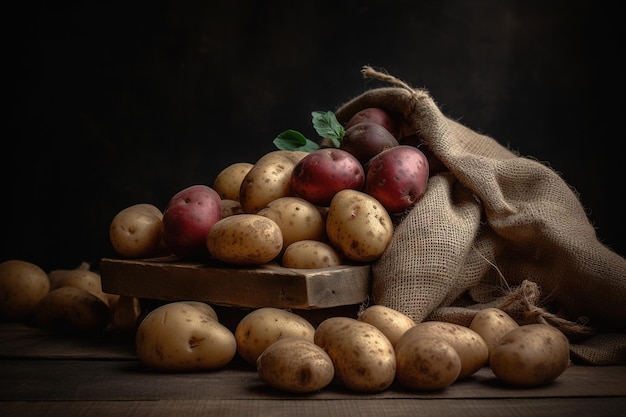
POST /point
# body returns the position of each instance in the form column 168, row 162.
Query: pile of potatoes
column 364, row 354
column 62, row 300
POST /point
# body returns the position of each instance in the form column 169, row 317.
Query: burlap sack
column 498, row 230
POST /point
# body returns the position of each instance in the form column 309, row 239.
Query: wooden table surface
column 52, row 375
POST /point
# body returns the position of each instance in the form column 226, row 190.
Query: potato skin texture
column 363, row 357
column 391, row 322
column 179, row 337
column 530, row 355
column 397, row 177
column 228, row 181
column 22, row 286
column 71, row 310
column 297, row 218
column 137, row 231
column 425, row 363
column 470, row 346
column 296, row 365
column 358, row 226
column 492, row 324
column 311, row 254
column 262, row 327
column 268, row 179
column 245, row 239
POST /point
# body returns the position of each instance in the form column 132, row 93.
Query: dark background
column 117, row 103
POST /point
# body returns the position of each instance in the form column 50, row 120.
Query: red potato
column 366, row 140
column 376, row 115
column 435, row 165
column 323, row 173
column 188, row 217
column 397, row 177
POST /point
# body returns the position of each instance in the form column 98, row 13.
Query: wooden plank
column 363, row 407
column 266, row 286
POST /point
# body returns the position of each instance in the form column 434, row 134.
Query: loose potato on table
column 492, row 324
column 245, row 239
column 136, row 231
column 297, row 365
column 470, row 346
column 426, row 363
column 22, row 285
column 71, row 310
column 310, row 254
column 260, row 328
column 391, row 322
column 363, row 357
column 80, row 278
column 179, row 336
column 530, row 355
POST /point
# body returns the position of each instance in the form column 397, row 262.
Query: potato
column 491, row 324
column 391, row 322
column 22, row 285
column 297, row 365
column 367, row 139
column 228, row 182
column 245, row 239
column 137, row 231
column 204, row 308
column 397, row 177
column 358, row 226
column 530, row 355
column 231, row 207
column 470, row 346
column 426, row 363
column 79, row 278
column 297, row 218
column 260, row 328
column 71, row 310
column 188, row 217
column 125, row 313
column 363, row 357
column 179, row 336
column 310, row 254
column 268, row 179
column 322, row 173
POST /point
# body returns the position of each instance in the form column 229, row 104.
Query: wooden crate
column 269, row 285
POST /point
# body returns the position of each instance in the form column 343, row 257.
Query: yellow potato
column 228, row 181
column 79, row 278
column 470, row 346
column 136, row 231
column 22, row 285
column 179, row 337
column 363, row 357
column 358, row 225
column 297, row 218
column 391, row 322
column 71, row 310
column 492, row 323
column 294, row 364
column 230, row 208
column 425, row 363
column 310, row 254
column 245, row 239
column 262, row 327
column 268, row 179
column 530, row 355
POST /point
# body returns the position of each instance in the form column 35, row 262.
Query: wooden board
column 266, row 286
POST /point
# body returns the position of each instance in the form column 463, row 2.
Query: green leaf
column 327, row 126
column 292, row 140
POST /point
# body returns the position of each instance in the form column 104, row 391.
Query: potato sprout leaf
column 327, row 126
column 292, row 140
